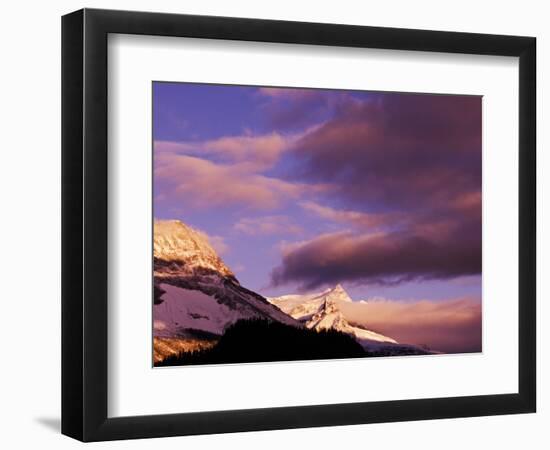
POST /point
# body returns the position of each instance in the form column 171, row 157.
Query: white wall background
column 30, row 237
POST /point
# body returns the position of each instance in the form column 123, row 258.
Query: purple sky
column 300, row 189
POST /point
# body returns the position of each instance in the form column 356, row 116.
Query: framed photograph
column 273, row 224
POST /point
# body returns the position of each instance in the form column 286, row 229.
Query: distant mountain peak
column 322, row 312
column 338, row 293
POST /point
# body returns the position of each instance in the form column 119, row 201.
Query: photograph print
column 294, row 224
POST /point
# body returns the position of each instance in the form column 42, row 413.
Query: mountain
column 197, row 299
column 322, row 311
column 196, row 296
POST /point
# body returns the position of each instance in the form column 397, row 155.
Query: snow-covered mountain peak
column 322, row 312
column 338, row 293
column 328, row 316
column 303, row 307
column 175, row 241
column 195, row 293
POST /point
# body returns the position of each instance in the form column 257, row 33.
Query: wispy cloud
column 350, row 217
column 267, row 225
column 445, row 325
column 296, row 108
column 262, row 151
column 296, row 94
column 205, row 184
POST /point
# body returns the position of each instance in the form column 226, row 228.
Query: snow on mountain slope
column 303, row 307
column 330, row 317
column 185, row 309
column 195, row 292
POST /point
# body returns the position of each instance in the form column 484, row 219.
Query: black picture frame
column 84, row 224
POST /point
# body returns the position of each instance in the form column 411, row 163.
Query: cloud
column 379, row 258
column 227, row 171
column 444, row 325
column 399, row 150
column 204, row 184
column 295, row 94
column 263, row 151
column 296, row 108
column 468, row 204
column 413, row 159
column 266, row 225
column 400, row 173
column 358, row 218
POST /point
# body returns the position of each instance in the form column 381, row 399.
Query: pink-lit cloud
column 416, row 160
column 377, row 258
column 398, row 150
column 295, row 94
column 295, row 108
column 261, row 150
column 468, row 203
column 203, row 183
column 351, row 217
column 267, row 225
column 398, row 174
column 445, row 325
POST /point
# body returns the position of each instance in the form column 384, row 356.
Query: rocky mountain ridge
column 322, row 312
column 196, row 294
